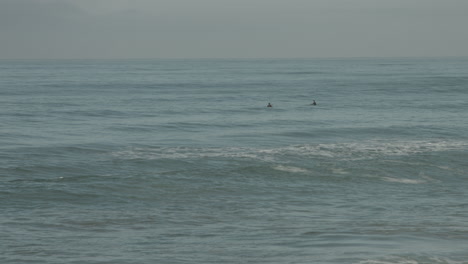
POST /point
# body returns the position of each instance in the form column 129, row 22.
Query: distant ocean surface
column 180, row 161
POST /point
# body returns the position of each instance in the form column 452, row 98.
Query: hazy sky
column 232, row 28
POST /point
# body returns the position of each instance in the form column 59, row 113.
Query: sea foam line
column 349, row 151
column 290, row 169
column 403, row 180
column 402, row 260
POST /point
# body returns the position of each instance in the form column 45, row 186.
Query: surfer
column 314, row 103
column 269, row 105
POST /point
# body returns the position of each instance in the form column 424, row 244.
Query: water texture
column 180, row 161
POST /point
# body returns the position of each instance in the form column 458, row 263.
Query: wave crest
column 342, row 151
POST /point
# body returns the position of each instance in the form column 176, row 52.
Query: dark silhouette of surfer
column 314, row 103
column 269, row 105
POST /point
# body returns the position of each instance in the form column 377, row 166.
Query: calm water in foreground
column 180, row 161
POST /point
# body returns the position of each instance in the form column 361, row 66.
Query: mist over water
column 176, row 161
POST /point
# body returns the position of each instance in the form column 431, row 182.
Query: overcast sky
column 232, row 28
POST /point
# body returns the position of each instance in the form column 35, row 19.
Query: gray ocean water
column 180, row 161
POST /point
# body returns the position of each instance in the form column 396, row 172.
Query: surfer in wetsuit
column 269, row 105
column 314, row 103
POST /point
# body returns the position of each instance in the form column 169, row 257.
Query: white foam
column 290, row 169
column 368, row 149
column 344, row 151
column 186, row 153
column 403, row 180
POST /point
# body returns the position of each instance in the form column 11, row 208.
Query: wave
column 403, row 180
column 290, row 169
column 343, row 151
column 412, row 260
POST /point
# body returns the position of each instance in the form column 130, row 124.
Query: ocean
column 180, row 161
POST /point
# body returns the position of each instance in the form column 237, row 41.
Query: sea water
column 180, row 161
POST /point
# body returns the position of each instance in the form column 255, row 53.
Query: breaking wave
column 343, row 151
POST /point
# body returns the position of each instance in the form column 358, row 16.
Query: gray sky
column 232, row 28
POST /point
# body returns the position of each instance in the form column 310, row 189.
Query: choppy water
column 180, row 161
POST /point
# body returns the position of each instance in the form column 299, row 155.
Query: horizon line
column 245, row 58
